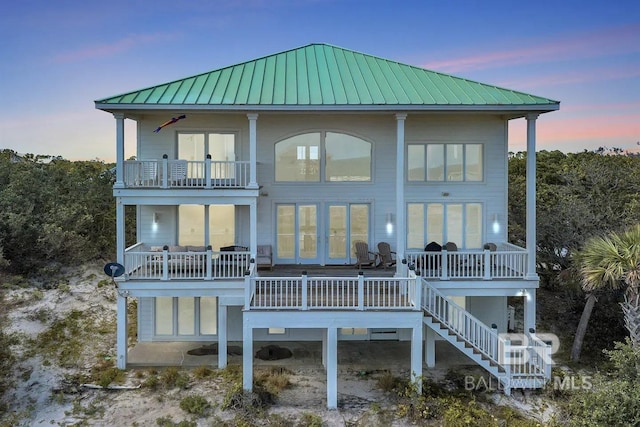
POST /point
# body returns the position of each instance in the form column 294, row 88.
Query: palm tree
column 609, row 263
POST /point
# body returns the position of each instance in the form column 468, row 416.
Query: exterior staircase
column 526, row 365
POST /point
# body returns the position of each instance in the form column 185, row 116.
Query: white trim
column 519, row 108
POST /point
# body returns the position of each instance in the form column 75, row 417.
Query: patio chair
column 387, row 256
column 491, row 246
column 264, row 258
column 149, row 173
column 365, row 258
column 450, row 247
column 455, row 261
column 433, row 262
column 178, row 172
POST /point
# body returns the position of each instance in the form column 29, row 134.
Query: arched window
column 342, row 157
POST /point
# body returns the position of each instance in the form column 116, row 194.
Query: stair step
column 471, row 349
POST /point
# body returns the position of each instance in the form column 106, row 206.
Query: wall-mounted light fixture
column 156, row 217
column 389, row 223
column 495, row 224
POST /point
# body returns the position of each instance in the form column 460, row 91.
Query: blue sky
column 57, row 57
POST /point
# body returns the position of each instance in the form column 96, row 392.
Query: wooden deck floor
column 323, row 271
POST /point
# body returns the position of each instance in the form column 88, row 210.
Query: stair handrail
column 458, row 320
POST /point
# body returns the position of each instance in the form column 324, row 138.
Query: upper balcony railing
column 167, row 173
column 506, row 262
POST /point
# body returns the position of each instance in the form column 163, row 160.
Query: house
column 299, row 155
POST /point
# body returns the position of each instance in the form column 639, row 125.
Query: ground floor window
column 460, row 223
column 186, row 316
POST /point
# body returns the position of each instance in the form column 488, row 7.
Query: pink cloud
column 607, row 41
column 579, row 132
column 582, row 76
column 118, row 46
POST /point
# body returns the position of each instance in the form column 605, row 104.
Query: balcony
column 165, row 173
column 358, row 293
column 507, row 262
column 184, row 263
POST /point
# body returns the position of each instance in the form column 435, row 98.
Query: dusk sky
column 57, row 57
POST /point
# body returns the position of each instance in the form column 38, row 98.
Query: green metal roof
column 324, row 76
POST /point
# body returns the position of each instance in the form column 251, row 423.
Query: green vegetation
column 62, row 214
column 611, row 398
column 195, row 404
column 55, row 215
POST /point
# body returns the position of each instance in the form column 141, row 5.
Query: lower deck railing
column 331, row 293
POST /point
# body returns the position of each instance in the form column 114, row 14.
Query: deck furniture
column 387, row 256
column 365, row 258
column 264, row 257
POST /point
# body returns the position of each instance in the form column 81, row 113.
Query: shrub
column 196, row 405
column 614, row 398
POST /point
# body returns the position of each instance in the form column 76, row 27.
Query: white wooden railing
column 141, row 263
column 459, row 321
column 332, row 293
column 167, row 173
column 507, row 262
column 532, row 359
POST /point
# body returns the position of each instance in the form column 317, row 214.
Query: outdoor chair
column 455, row 261
column 365, row 258
column 433, row 261
column 264, row 258
column 178, row 172
column 491, row 246
column 387, row 256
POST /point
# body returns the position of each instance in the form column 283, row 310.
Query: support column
column 529, row 310
column 253, row 148
column 416, row 355
column 222, row 336
column 531, row 197
column 332, row 368
column 207, row 231
column 253, row 228
column 120, row 233
column 401, row 235
column 119, row 150
column 247, row 355
column 121, row 331
column 324, row 348
column 430, row 347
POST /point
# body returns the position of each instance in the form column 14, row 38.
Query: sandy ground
column 47, row 394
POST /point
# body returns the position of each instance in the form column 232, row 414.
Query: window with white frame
column 460, row 223
column 445, row 162
column 346, row 158
column 186, row 316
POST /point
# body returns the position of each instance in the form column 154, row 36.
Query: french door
column 346, row 223
column 297, row 234
column 304, row 237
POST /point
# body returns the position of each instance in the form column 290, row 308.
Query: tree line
column 63, row 212
column 54, row 214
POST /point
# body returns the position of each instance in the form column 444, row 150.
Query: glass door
column 297, row 234
column 347, row 223
column 338, row 252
